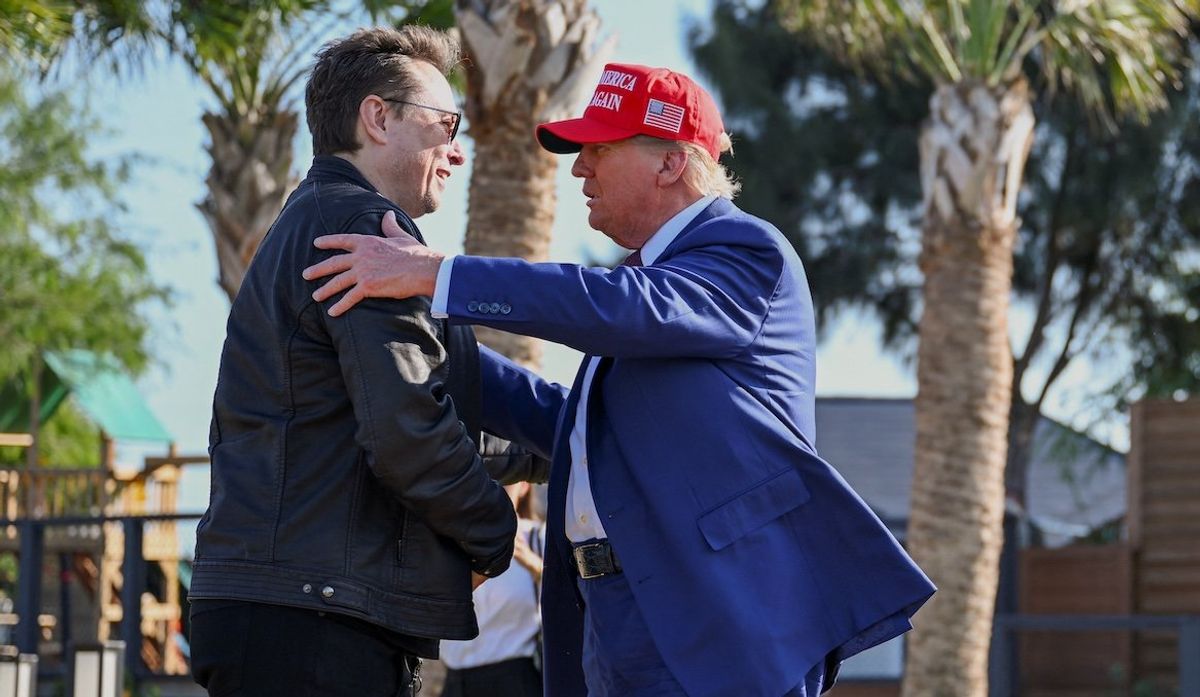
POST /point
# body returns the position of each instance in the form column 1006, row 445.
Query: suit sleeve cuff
column 441, row 288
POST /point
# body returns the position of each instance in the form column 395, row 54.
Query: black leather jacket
column 346, row 475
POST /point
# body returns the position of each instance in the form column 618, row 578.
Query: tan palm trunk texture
column 528, row 62
column 249, row 179
column 973, row 152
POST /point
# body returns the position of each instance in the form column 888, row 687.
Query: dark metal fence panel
column 29, row 584
column 1004, row 680
column 32, row 532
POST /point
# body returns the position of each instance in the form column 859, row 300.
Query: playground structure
column 67, row 529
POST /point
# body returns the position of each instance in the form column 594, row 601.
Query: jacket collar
column 331, row 168
column 334, row 168
column 718, row 208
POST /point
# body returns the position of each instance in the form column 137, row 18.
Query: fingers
column 390, row 227
column 332, row 265
column 477, row 580
column 334, row 286
column 347, row 301
column 343, row 241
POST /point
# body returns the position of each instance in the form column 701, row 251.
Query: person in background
column 503, row 660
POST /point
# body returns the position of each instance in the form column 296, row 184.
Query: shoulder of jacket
column 342, row 205
column 736, row 229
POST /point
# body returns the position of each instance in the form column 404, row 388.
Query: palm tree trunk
column 973, row 152
column 250, row 176
column 529, row 61
column 511, row 214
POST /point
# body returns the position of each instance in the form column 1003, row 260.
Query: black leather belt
column 595, row 558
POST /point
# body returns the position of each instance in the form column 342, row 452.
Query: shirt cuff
column 441, row 289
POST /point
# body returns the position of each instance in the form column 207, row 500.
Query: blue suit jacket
column 750, row 558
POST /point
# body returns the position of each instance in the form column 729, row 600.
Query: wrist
column 429, row 274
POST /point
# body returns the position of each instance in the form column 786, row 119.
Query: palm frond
column 33, row 29
column 1119, row 57
column 1021, row 40
column 43, row 32
column 246, row 53
column 946, row 59
column 988, row 21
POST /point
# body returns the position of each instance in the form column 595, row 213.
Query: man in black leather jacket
column 351, row 514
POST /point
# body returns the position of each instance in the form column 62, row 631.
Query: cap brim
column 565, row 137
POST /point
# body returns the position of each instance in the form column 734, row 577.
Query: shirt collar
column 671, row 229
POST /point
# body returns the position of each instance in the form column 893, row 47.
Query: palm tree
column 238, row 50
column 243, row 54
column 529, row 61
column 1118, row 57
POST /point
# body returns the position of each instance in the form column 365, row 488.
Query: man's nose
column 579, row 169
column 457, row 156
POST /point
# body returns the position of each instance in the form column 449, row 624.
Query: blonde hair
column 702, row 172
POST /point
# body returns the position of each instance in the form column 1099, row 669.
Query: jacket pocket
column 764, row 502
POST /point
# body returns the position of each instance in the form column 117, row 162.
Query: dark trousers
column 516, row 677
column 253, row 650
column 619, row 655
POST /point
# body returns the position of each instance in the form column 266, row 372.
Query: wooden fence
column 1081, row 580
column 1164, row 526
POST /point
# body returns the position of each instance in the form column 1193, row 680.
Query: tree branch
column 1045, row 308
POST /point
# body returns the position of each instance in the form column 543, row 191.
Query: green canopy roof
column 105, row 393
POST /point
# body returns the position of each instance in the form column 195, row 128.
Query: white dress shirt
column 508, row 613
column 582, row 521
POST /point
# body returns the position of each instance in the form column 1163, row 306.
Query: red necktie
column 634, row 259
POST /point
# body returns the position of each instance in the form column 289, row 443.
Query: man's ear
column 671, row 169
column 372, row 118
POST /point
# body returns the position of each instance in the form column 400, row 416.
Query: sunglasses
column 456, row 114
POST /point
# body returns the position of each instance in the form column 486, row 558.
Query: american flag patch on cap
column 665, row 116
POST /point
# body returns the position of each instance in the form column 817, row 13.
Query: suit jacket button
column 505, row 309
column 495, row 308
column 472, row 306
column 327, row 592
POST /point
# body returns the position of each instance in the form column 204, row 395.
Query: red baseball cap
column 638, row 100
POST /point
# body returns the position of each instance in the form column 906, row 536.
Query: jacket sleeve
column 395, row 369
column 508, row 462
column 520, row 405
column 707, row 301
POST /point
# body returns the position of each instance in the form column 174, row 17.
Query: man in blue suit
column 697, row 544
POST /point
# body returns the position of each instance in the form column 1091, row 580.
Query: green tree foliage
column 69, row 439
column 438, row 14
column 826, row 154
column 42, row 31
column 1110, row 223
column 68, row 277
